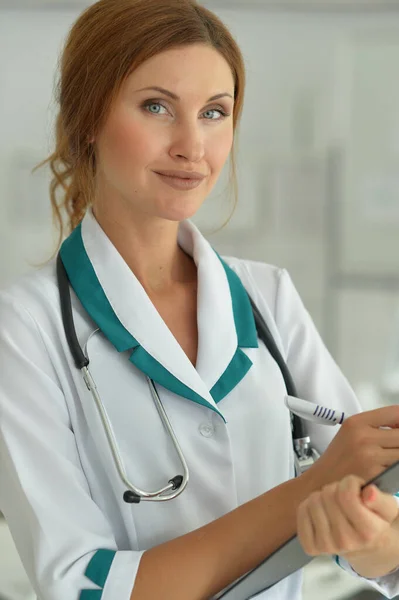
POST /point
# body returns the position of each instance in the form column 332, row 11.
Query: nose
column 188, row 142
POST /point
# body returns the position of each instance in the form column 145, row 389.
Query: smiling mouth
column 179, row 177
column 182, row 175
column 180, row 183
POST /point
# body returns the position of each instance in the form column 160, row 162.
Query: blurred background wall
column 318, row 157
column 317, row 163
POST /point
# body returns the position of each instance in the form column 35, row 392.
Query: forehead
column 194, row 69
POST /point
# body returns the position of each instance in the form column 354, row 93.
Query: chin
column 179, row 213
column 177, row 217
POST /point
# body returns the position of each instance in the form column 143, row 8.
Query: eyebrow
column 175, row 97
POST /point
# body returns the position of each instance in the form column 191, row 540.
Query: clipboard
column 290, row 556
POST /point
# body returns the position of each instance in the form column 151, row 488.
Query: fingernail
column 370, row 493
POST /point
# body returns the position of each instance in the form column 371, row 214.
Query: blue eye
column 213, row 110
column 151, row 103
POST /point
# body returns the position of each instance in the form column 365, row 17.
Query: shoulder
column 263, row 281
column 33, row 296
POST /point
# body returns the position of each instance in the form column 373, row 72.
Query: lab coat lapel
column 119, row 305
column 225, row 319
column 98, row 274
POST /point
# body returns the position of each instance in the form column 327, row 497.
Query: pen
column 314, row 412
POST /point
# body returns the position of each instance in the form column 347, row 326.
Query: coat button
column 206, row 430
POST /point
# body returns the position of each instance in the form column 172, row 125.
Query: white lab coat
column 59, row 488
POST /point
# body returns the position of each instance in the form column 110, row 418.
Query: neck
column 150, row 249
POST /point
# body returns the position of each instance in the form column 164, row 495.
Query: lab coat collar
column 98, row 275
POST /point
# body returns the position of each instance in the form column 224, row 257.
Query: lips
column 192, row 176
column 180, row 183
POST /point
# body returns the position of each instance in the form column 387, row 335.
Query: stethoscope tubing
column 158, row 495
column 177, row 484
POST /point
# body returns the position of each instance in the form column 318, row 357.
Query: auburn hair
column 109, row 40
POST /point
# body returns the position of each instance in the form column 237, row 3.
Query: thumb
column 382, row 504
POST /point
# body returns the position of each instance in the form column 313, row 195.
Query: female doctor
column 150, row 97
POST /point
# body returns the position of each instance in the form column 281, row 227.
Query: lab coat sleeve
column 65, row 543
column 319, row 380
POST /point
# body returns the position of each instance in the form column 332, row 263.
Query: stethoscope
column 304, row 454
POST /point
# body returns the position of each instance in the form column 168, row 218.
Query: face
column 177, row 128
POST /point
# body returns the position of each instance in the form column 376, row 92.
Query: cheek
column 125, row 144
column 219, row 150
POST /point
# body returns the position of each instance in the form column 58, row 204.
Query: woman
column 150, row 97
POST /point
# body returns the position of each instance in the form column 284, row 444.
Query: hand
column 342, row 519
column 360, row 447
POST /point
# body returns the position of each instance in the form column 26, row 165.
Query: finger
column 344, row 535
column 383, row 505
column 363, row 524
column 387, row 438
column 321, row 522
column 387, row 416
column 382, row 455
column 305, row 529
column 382, row 458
